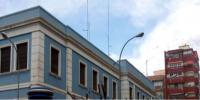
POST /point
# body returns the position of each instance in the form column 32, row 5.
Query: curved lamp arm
column 138, row 35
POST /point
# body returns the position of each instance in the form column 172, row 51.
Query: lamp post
column 136, row 36
column 13, row 45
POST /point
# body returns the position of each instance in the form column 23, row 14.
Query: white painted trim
column 3, row 46
column 59, row 59
column 15, row 54
column 80, row 61
column 51, row 86
column 14, row 86
column 108, row 87
column 115, row 81
column 95, row 69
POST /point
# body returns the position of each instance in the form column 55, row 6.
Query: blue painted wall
column 75, row 76
column 59, row 82
column 142, row 93
column 12, row 94
column 11, row 78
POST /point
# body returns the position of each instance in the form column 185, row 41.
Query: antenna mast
column 88, row 23
column 108, row 26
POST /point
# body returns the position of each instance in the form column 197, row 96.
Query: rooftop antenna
column 88, row 23
column 108, row 27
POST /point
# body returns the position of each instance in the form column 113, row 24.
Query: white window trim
column 3, row 46
column 80, row 61
column 104, row 75
column 113, row 80
column 15, row 54
column 94, row 69
column 59, row 60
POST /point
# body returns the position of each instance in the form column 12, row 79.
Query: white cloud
column 180, row 27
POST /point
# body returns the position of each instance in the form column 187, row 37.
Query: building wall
column 49, row 78
column 82, row 91
column 42, row 30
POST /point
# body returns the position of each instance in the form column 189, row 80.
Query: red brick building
column 181, row 73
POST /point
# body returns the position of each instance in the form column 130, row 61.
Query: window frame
column 59, row 60
column 11, row 53
column 15, row 54
column 104, row 75
column 113, row 80
column 95, row 69
column 80, row 61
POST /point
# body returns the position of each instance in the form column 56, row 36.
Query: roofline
column 65, row 29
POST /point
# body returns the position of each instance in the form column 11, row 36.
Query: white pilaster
column 124, row 88
column 134, row 91
column 69, row 71
column 37, row 57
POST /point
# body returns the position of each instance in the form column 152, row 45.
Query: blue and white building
column 55, row 56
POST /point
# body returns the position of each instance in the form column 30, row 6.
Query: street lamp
column 136, row 36
column 13, row 45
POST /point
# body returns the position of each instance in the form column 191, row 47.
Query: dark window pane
column 114, row 90
column 138, row 95
column 94, row 80
column 82, row 74
column 54, row 61
column 130, row 92
column 22, row 50
column 5, row 59
column 105, row 82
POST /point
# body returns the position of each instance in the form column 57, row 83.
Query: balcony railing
column 175, row 80
column 175, row 69
column 191, row 89
column 191, row 79
column 175, row 90
column 191, row 68
column 173, row 59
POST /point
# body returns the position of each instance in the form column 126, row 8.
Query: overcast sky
column 167, row 24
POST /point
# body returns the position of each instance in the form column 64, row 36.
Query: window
column 82, row 74
column 95, row 80
column 130, row 92
column 114, row 90
column 105, row 84
column 5, row 59
column 143, row 97
column 22, row 55
column 55, row 58
column 138, row 95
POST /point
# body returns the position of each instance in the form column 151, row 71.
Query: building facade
column 158, row 81
column 53, row 55
column 182, row 73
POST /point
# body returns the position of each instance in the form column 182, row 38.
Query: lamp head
column 140, row 34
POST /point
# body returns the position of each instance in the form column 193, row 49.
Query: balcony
column 189, row 57
column 191, row 89
column 173, row 59
column 191, row 68
column 175, row 91
column 191, row 79
column 175, row 69
column 175, row 80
